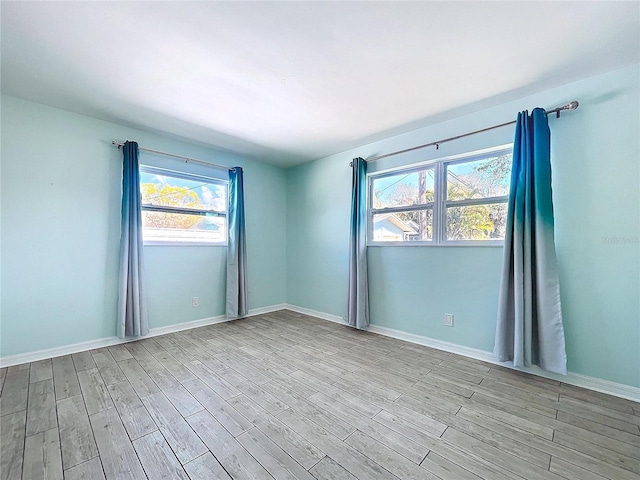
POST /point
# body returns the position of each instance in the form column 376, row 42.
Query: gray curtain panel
column 237, row 305
column 529, row 329
column 358, row 295
column 132, row 307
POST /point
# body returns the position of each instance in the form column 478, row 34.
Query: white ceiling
column 289, row 82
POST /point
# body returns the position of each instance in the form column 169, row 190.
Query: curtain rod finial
column 573, row 105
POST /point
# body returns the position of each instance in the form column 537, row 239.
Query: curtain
column 358, row 295
column 529, row 329
column 237, row 249
column 132, row 307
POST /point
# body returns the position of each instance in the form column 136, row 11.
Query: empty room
column 320, row 240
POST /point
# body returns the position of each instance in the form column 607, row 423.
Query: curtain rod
column 186, row 159
column 569, row 106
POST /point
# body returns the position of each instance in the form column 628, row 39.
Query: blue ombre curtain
column 132, row 307
column 529, row 329
column 358, row 297
column 237, row 249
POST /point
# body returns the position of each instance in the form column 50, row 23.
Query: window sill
column 468, row 243
column 183, row 244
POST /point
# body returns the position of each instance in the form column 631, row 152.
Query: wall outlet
column 448, row 319
column 195, row 302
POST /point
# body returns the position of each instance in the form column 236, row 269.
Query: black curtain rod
column 569, row 106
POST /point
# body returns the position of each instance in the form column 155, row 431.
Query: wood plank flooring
column 287, row 396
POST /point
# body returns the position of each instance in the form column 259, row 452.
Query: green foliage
column 162, row 194
column 469, row 223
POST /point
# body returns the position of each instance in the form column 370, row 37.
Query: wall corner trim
column 109, row 341
column 599, row 385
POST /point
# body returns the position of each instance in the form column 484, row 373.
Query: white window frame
column 187, row 176
column 440, row 203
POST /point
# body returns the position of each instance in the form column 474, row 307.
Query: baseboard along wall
column 599, row 385
column 584, row 381
column 109, row 341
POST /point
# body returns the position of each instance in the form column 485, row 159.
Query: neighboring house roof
column 408, row 227
column 207, row 223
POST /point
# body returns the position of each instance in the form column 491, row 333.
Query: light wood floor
column 284, row 395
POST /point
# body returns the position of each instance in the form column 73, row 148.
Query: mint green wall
column 596, row 180
column 60, row 200
column 61, row 182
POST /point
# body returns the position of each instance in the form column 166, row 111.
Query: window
column 402, row 205
column 451, row 201
column 179, row 208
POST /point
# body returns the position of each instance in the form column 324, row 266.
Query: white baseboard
column 592, row 383
column 154, row 332
column 109, row 341
column 271, row 308
column 315, row 313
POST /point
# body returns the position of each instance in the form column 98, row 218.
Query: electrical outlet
column 195, row 302
column 448, row 319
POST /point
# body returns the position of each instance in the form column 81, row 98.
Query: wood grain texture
column 225, row 413
column 141, row 382
column 284, row 395
column 76, row 437
column 12, row 428
column 119, row 353
column 393, row 462
column 41, row 411
column 3, row 375
column 302, row 451
column 65, row 379
column 83, row 361
column 272, row 457
column 15, row 391
column 176, row 393
column 184, row 442
column 90, row 470
column 329, row 469
column 206, row 467
column 118, row 457
column 94, row 391
column 109, row 368
column 42, row 456
column 157, row 459
column 134, row 416
column 41, row 370
column 237, row 461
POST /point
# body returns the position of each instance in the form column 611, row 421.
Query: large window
column 451, row 201
column 180, row 208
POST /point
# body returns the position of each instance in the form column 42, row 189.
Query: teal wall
column 596, row 180
column 60, row 201
column 61, row 187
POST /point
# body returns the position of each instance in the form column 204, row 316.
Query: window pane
column 403, row 226
column 489, row 177
column 477, row 222
column 178, row 227
column 158, row 189
column 405, row 189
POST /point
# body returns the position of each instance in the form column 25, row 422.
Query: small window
column 459, row 201
column 180, row 208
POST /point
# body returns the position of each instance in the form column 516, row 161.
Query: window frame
column 144, row 168
column 440, row 203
